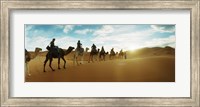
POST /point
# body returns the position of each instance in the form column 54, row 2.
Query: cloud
column 39, row 41
column 66, row 41
column 42, row 42
column 124, row 41
column 104, row 30
column 68, row 28
column 124, row 37
column 84, row 31
column 163, row 28
column 161, row 42
column 60, row 26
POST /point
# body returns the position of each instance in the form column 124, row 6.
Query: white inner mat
column 180, row 88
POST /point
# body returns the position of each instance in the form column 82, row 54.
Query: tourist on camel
column 52, row 45
column 94, row 47
column 102, row 49
column 79, row 45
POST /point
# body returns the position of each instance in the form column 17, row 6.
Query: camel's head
column 48, row 48
column 71, row 48
column 38, row 49
column 87, row 49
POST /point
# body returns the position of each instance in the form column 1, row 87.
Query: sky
column 126, row 37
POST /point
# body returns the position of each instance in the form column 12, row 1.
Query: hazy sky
column 126, row 37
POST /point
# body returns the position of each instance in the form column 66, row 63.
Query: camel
column 95, row 56
column 112, row 53
column 56, row 53
column 93, row 53
column 102, row 54
column 79, row 52
column 121, row 54
column 29, row 57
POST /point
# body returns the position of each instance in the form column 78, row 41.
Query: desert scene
column 79, row 62
column 143, row 65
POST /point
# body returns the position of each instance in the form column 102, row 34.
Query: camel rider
column 52, row 45
column 102, row 49
column 94, row 47
column 79, row 45
column 112, row 51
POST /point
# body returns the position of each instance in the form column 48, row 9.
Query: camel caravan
column 79, row 53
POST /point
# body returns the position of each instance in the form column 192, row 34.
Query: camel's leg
column 81, row 59
column 77, row 61
column 92, row 58
column 27, row 69
column 100, row 57
column 45, row 64
column 64, row 61
column 89, row 59
column 59, row 63
column 96, row 58
column 74, row 59
column 29, row 74
column 50, row 64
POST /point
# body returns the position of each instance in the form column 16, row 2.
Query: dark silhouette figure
column 102, row 54
column 125, row 56
column 52, row 45
column 79, row 45
column 93, row 52
column 121, row 54
column 56, row 54
column 112, row 53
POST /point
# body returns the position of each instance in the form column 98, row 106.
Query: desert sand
column 143, row 65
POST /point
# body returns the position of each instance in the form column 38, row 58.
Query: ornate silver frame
column 8, row 5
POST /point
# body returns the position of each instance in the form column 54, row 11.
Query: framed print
column 99, row 53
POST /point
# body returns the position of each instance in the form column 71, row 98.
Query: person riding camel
column 112, row 51
column 94, row 48
column 102, row 49
column 79, row 45
column 52, row 45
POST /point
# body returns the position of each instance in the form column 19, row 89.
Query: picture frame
column 7, row 6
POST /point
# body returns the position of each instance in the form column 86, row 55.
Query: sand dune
column 149, row 68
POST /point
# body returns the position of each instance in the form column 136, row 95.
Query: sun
column 133, row 47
